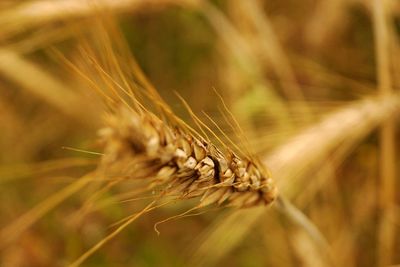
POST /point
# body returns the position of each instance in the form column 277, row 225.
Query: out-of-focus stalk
column 387, row 136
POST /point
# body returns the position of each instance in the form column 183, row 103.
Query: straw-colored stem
column 35, row 13
column 14, row 230
column 271, row 48
column 242, row 53
column 387, row 137
column 43, row 85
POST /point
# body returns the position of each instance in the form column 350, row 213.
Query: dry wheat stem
column 387, row 134
column 36, row 13
column 348, row 125
column 271, row 49
column 13, row 231
column 51, row 90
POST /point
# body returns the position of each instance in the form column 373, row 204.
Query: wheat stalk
column 51, row 90
column 36, row 13
column 387, row 193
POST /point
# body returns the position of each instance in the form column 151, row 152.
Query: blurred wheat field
column 307, row 90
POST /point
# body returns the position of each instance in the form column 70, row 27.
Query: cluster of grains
column 145, row 146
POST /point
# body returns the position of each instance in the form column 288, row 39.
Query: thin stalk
column 387, row 181
column 35, row 13
column 43, row 85
column 11, row 232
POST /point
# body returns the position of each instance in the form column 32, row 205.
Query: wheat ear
column 140, row 145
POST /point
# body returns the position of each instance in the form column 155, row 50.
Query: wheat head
column 141, row 145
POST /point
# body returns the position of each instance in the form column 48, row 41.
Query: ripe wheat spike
column 140, row 145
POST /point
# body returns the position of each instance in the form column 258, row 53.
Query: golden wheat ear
column 187, row 165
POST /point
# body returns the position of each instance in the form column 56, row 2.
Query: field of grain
column 241, row 133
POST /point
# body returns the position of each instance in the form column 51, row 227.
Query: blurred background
column 283, row 68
